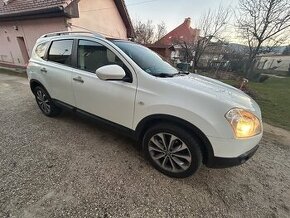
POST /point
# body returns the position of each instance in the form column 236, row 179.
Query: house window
column 60, row 52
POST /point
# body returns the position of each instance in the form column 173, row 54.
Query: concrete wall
column 30, row 30
column 277, row 63
column 101, row 16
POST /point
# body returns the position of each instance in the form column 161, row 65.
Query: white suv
column 182, row 120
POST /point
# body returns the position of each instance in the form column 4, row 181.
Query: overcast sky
column 172, row 12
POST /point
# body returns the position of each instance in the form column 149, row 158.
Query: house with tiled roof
column 184, row 32
column 168, row 46
column 22, row 22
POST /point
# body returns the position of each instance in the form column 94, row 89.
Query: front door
column 23, row 49
column 111, row 100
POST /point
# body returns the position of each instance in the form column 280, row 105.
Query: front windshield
column 148, row 60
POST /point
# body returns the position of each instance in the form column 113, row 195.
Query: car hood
column 217, row 89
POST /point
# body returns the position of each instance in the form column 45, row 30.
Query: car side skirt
column 100, row 121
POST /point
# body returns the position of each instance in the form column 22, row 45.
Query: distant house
column 22, row 22
column 213, row 55
column 164, row 51
column 182, row 33
column 274, row 63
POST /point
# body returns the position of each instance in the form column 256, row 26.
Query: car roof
column 69, row 33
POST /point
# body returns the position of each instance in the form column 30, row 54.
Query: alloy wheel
column 43, row 101
column 169, row 152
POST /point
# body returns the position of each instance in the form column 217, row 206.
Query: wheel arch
column 205, row 145
column 34, row 83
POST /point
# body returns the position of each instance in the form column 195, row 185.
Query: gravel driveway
column 70, row 166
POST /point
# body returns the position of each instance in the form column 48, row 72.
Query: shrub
column 255, row 77
column 263, row 78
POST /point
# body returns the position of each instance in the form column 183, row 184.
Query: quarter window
column 40, row 49
column 61, row 52
column 92, row 55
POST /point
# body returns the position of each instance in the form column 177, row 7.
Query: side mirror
column 111, row 72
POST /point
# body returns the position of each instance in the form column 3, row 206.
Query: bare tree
column 147, row 32
column 262, row 23
column 186, row 50
column 212, row 25
column 161, row 30
column 144, row 31
column 210, row 28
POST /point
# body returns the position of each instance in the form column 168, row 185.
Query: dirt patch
column 279, row 135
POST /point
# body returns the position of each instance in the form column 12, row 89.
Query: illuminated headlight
column 244, row 123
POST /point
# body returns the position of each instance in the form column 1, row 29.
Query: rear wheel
column 45, row 103
column 172, row 150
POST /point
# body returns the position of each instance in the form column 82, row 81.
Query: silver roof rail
column 73, row 32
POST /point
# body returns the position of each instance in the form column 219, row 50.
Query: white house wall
column 277, row 63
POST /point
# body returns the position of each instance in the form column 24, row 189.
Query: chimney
column 187, row 22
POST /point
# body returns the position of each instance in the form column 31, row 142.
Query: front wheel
column 45, row 103
column 172, row 150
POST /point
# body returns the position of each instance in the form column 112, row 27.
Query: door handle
column 43, row 70
column 78, row 79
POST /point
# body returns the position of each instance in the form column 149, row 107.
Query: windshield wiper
column 163, row 75
column 181, row 73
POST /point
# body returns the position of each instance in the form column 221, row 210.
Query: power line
column 128, row 5
column 139, row 3
column 83, row 28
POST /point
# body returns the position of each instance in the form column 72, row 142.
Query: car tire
column 45, row 102
column 172, row 150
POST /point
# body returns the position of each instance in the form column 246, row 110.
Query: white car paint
column 199, row 100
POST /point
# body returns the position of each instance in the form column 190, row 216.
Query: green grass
column 273, row 96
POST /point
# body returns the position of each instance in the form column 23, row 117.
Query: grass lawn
column 273, row 96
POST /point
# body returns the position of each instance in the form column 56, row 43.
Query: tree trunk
column 251, row 61
column 196, row 60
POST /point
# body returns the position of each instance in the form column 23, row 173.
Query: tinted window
column 41, row 48
column 60, row 52
column 92, row 55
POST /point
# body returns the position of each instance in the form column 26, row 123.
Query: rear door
column 111, row 100
column 57, row 71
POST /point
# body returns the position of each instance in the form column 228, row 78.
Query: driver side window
column 92, row 55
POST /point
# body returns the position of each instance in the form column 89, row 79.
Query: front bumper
column 233, row 148
column 221, row 162
column 231, row 152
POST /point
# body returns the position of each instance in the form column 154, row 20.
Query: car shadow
column 105, row 128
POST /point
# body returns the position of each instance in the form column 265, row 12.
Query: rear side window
column 61, row 51
column 40, row 49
